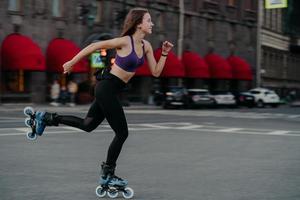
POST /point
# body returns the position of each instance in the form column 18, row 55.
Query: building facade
column 223, row 27
column 280, row 48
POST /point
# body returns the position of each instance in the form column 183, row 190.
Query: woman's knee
column 88, row 129
column 88, row 125
column 122, row 135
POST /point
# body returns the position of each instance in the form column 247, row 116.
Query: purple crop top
column 131, row 62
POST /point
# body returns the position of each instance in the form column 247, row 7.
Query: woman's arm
column 106, row 44
column 157, row 67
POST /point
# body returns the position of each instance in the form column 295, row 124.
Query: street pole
column 180, row 28
column 258, row 46
column 180, row 33
column 1, row 84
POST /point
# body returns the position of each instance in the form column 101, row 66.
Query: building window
column 160, row 21
column 231, row 2
column 195, row 5
column 279, row 20
column 210, row 27
column 268, row 19
column 250, row 5
column 15, row 5
column 231, row 36
column 250, row 37
column 210, row 30
column 99, row 12
column 57, row 8
column 39, row 6
column 188, row 26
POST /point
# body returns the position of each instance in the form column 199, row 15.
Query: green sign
column 96, row 61
column 270, row 4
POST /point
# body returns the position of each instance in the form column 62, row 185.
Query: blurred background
column 220, row 46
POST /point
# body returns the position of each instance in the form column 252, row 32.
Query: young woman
column 131, row 52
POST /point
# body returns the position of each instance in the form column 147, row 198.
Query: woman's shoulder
column 147, row 44
column 124, row 39
column 121, row 41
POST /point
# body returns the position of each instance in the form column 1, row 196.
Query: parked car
column 264, row 96
column 223, row 98
column 244, row 99
column 200, row 97
column 175, row 96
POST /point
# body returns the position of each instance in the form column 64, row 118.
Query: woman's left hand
column 68, row 67
column 166, row 47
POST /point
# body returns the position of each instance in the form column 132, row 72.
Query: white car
column 264, row 96
column 223, row 98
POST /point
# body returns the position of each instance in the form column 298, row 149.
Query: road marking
column 293, row 116
column 278, row 132
column 228, row 130
column 187, row 126
column 71, row 128
column 22, row 129
column 190, row 127
column 157, row 126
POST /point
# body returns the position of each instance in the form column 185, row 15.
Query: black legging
column 106, row 105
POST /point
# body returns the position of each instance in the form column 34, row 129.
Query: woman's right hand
column 68, row 67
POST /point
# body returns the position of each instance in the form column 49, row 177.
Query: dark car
column 200, row 98
column 245, row 99
column 175, row 96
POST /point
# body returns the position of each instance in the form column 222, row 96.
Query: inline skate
column 37, row 121
column 111, row 185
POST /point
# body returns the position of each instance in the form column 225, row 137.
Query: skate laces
column 116, row 177
column 115, row 180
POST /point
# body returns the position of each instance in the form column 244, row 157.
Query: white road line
column 22, row 129
column 229, row 130
column 70, row 128
column 278, row 132
column 293, row 116
column 190, row 127
column 159, row 126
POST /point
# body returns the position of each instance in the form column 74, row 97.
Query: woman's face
column 146, row 25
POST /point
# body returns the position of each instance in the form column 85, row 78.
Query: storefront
column 241, row 74
column 143, row 84
column 196, row 70
column 23, row 70
column 58, row 52
column 220, row 72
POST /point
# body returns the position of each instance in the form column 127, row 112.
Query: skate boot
column 43, row 119
column 108, row 176
column 111, row 185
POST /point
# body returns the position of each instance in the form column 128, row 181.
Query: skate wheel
column 31, row 136
column 28, row 111
column 128, row 193
column 112, row 194
column 28, row 122
column 100, row 192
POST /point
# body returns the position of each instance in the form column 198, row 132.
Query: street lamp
column 258, row 46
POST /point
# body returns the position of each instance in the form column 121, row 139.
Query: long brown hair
column 133, row 18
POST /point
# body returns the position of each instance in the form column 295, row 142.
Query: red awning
column 19, row 52
column 241, row 70
column 173, row 66
column 195, row 66
column 60, row 51
column 219, row 68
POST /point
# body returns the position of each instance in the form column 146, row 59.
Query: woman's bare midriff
column 120, row 73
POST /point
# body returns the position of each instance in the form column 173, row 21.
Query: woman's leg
column 92, row 120
column 114, row 114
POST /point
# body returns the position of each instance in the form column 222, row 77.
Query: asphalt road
column 218, row 154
